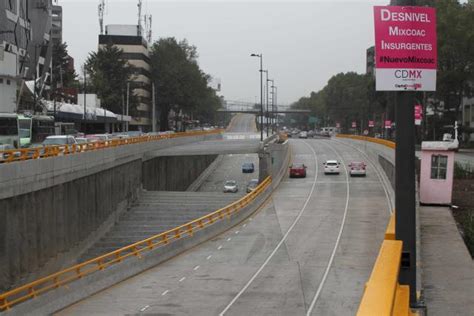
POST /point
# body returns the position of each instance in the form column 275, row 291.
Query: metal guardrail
column 380, row 141
column 58, row 279
column 13, row 155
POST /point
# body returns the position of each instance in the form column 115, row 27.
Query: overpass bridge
column 300, row 246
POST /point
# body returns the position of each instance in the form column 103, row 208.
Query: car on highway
column 252, row 185
column 58, row 140
column 298, row 170
column 6, row 155
column 248, row 167
column 357, row 168
column 231, row 186
column 332, row 167
column 82, row 140
column 303, row 134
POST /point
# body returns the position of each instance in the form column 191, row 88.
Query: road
column 308, row 250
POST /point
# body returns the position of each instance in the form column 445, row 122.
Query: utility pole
column 405, row 214
column 128, row 101
column 261, row 93
column 153, row 108
column 85, row 87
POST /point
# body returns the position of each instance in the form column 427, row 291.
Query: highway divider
column 58, row 290
column 22, row 154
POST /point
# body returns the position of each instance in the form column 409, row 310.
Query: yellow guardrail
column 383, row 295
column 58, row 279
column 53, row 151
column 380, row 141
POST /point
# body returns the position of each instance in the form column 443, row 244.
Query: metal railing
column 380, row 141
column 58, row 279
column 22, row 154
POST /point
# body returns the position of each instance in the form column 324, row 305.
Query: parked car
column 5, row 156
column 303, row 134
column 58, row 140
column 252, row 185
column 357, row 168
column 231, row 186
column 82, row 140
column 311, row 133
column 298, row 170
column 248, row 167
column 331, row 167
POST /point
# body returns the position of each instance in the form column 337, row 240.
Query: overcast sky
column 303, row 43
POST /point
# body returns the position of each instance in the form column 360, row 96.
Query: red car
column 298, row 170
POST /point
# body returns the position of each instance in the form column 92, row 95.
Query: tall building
column 25, row 49
column 370, row 61
column 57, row 25
column 129, row 38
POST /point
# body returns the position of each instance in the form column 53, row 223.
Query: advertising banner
column 405, row 48
column 388, row 124
column 338, row 125
column 354, row 124
column 371, row 124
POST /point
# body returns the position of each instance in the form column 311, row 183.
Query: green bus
column 22, row 130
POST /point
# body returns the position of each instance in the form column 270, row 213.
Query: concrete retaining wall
column 174, row 173
column 49, row 208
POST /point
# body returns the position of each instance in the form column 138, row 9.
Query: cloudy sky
column 303, row 43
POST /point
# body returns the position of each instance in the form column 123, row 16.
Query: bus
column 22, row 130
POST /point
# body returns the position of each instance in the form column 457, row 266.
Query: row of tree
column 350, row 97
column 180, row 84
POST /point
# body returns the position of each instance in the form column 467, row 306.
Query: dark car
column 252, row 185
column 298, row 170
column 248, row 167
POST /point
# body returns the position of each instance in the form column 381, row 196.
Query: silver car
column 231, row 186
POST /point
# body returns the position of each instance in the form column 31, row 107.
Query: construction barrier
column 54, row 151
column 61, row 278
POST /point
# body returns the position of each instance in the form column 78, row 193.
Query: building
column 468, row 118
column 14, row 40
column 57, row 25
column 25, row 50
column 370, row 61
column 130, row 39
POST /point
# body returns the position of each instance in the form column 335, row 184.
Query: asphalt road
column 308, row 250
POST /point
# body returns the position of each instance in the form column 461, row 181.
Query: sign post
column 406, row 60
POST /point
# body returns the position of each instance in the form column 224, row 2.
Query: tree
column 62, row 75
column 179, row 82
column 109, row 74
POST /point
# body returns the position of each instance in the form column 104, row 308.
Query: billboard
column 388, row 124
column 405, row 48
column 371, row 124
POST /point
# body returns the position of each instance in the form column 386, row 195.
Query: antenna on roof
column 139, row 5
column 101, row 10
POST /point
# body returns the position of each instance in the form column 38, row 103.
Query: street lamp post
column 266, row 101
column 261, row 93
column 273, row 96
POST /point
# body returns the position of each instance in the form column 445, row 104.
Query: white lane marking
column 144, row 308
column 336, row 245
column 377, row 172
column 250, row 219
column 165, row 292
column 237, row 232
column 282, row 239
column 244, row 225
column 219, row 248
column 182, row 279
column 196, row 267
column 229, row 239
column 209, row 257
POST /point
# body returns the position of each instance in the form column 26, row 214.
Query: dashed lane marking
column 209, row 257
column 182, row 279
column 165, row 292
column 196, row 267
column 144, row 308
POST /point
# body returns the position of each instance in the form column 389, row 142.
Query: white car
column 332, row 167
column 59, row 140
column 357, row 168
column 231, row 186
column 303, row 134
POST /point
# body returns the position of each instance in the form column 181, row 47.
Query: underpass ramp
column 156, row 212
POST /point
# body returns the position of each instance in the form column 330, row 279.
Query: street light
column 261, row 93
column 273, row 96
column 266, row 100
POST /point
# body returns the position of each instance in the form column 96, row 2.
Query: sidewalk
column 448, row 269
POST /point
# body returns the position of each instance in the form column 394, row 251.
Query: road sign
column 371, row 124
column 418, row 114
column 354, row 124
column 405, row 48
column 388, row 124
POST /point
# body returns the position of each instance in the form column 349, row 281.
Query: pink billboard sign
column 354, row 124
column 405, row 48
column 371, row 124
column 338, row 125
column 388, row 124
